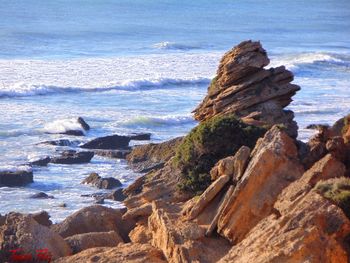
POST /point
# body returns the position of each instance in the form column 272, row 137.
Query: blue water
column 133, row 66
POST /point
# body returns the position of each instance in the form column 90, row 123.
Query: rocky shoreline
column 239, row 187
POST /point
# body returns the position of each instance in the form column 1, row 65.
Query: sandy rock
column 140, row 234
column 143, row 210
column 43, row 218
column 22, row 231
column 82, row 242
column 243, row 87
column 274, row 165
column 126, row 253
column 95, row 218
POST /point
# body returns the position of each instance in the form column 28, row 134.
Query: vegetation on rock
column 210, row 141
column 338, row 191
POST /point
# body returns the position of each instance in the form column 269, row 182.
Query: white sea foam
column 62, row 126
column 174, row 46
column 161, row 120
column 13, row 168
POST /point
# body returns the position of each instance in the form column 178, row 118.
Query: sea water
column 143, row 66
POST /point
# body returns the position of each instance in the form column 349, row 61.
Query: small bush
column 338, row 191
column 209, row 142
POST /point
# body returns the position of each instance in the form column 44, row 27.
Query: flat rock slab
column 73, row 157
column 117, row 154
column 16, row 178
column 108, row 142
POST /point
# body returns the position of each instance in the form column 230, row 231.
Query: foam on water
column 174, row 46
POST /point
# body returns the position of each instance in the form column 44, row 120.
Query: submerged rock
column 73, row 157
column 16, row 177
column 41, row 162
column 244, row 88
column 108, row 142
column 140, row 136
column 41, row 195
column 102, row 183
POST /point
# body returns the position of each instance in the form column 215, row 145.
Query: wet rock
column 95, row 218
column 83, row 124
column 41, row 162
column 41, row 195
column 140, row 136
column 74, row 133
column 73, row 157
column 43, row 218
column 62, row 142
column 117, row 154
column 108, row 142
column 85, row 241
column 63, row 205
column 144, row 158
column 22, row 231
column 244, row 88
column 102, row 183
column 15, row 177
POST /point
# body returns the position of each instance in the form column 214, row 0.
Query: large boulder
column 144, row 158
column 16, row 177
column 82, row 242
column 73, row 157
column 274, row 165
column 108, row 142
column 126, row 253
column 95, row 218
column 102, row 183
column 22, row 232
column 243, row 87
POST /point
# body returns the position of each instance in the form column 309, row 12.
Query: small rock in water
column 74, row 132
column 16, row 177
column 62, row 142
column 100, row 201
column 108, row 142
column 41, row 195
column 101, row 183
column 73, row 157
column 41, row 162
column 317, row 126
column 62, row 205
column 140, row 136
column 83, row 124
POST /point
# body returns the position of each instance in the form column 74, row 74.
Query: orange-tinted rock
column 243, row 87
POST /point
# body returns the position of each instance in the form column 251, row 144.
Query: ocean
column 143, row 66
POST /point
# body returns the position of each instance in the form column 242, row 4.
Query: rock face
column 18, row 177
column 144, row 158
column 243, row 87
column 94, row 219
column 128, row 253
column 108, row 142
column 273, row 166
column 73, row 157
column 101, row 183
column 23, row 232
column 81, row 242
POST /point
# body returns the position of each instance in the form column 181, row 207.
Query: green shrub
column 209, row 142
column 338, row 191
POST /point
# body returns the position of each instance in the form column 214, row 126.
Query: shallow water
column 143, row 66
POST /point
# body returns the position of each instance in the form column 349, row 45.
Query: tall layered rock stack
column 243, row 87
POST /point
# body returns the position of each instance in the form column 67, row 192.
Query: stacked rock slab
column 243, row 87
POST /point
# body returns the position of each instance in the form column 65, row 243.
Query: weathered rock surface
column 85, row 241
column 128, row 253
column 73, row 157
column 244, row 88
column 108, row 142
column 144, row 158
column 101, row 183
column 20, row 231
column 43, row 218
column 274, row 165
column 18, row 177
column 95, row 218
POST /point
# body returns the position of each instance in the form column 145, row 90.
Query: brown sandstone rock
column 126, row 253
column 95, row 218
column 243, row 87
column 82, row 242
column 273, row 166
column 20, row 231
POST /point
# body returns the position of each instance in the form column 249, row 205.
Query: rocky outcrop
column 273, row 166
column 144, row 158
column 102, row 183
column 108, row 142
column 128, row 253
column 43, row 218
column 95, row 219
column 16, row 177
column 85, row 241
column 73, row 157
column 20, row 231
column 243, row 87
